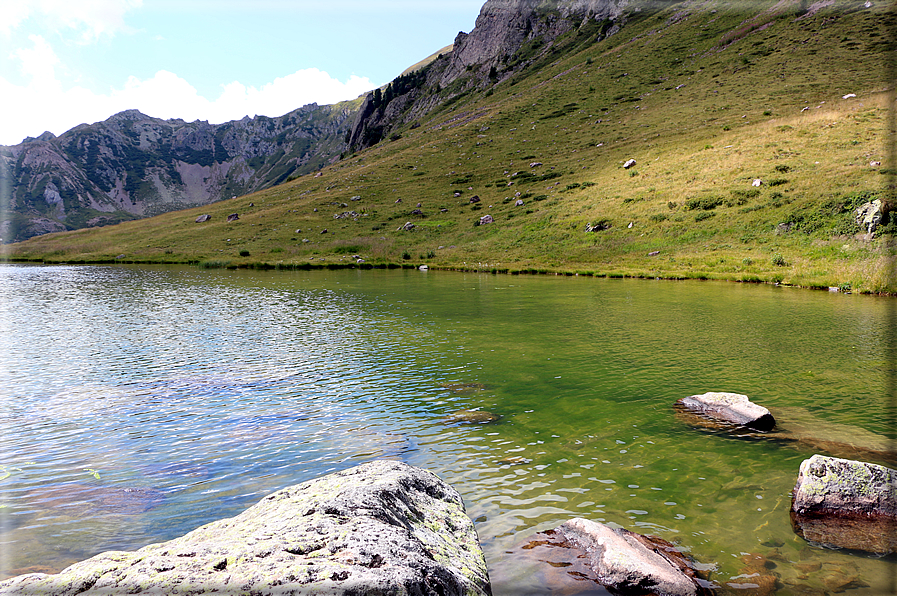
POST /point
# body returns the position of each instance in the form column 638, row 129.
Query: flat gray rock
column 626, row 562
column 380, row 528
column 846, row 504
column 729, row 408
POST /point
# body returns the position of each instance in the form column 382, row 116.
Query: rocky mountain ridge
column 509, row 36
column 132, row 165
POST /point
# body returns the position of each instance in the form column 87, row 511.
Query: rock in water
column 622, row 561
column 730, row 408
column 380, row 528
column 846, row 504
column 471, row 417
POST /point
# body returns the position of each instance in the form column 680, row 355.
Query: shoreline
column 560, row 272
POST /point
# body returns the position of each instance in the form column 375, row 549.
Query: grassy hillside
column 705, row 97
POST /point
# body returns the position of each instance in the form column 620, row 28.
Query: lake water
column 140, row 403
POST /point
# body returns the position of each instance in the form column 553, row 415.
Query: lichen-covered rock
column 846, row 504
column 868, row 215
column 729, row 408
column 380, row 528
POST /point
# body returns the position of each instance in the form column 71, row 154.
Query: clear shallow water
column 140, row 403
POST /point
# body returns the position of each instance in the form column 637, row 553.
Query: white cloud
column 91, row 19
column 38, row 63
column 288, row 93
column 44, row 104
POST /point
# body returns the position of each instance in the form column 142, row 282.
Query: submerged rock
column 582, row 550
column 799, row 429
column 471, row 417
column 728, row 409
column 380, row 528
column 86, row 500
column 464, row 387
column 802, row 430
column 846, row 504
column 757, row 577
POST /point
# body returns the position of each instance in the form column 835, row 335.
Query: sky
column 68, row 62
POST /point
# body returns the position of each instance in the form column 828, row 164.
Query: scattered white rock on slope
column 380, row 528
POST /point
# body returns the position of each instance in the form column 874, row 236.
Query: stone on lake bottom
column 379, row 528
column 471, row 417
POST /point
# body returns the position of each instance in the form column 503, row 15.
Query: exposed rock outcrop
column 727, row 409
column 869, row 215
column 846, row 504
column 380, row 528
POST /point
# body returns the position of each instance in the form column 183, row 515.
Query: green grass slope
column 706, row 97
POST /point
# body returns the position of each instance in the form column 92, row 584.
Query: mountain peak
column 46, row 136
column 128, row 115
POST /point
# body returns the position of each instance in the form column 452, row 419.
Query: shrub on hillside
column 706, row 203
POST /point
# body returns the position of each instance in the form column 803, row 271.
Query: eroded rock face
column 846, row 504
column 379, row 528
column 728, row 409
column 624, row 562
column 504, row 25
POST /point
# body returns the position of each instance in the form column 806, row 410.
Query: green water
column 245, row 382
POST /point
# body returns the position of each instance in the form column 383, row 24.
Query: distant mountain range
column 132, row 166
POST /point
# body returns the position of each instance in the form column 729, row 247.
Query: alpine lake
column 139, row 403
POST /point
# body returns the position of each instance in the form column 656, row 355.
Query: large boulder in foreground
column 727, row 409
column 622, row 561
column 846, row 504
column 380, row 528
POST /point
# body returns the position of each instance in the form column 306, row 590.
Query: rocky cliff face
column 132, row 165
column 509, row 35
column 504, row 26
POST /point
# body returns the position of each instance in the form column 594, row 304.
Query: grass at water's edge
column 615, row 273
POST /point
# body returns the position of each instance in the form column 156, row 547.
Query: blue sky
column 67, row 62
